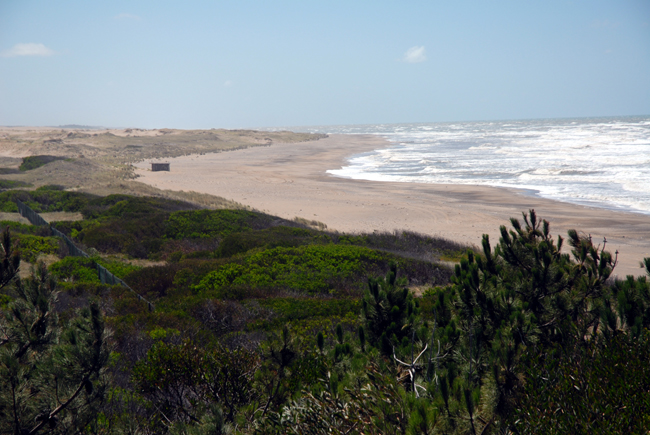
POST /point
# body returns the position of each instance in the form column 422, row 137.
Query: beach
column 290, row 180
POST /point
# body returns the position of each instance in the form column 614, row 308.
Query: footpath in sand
column 290, row 180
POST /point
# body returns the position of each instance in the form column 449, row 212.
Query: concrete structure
column 160, row 167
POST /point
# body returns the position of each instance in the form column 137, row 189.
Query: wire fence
column 31, row 215
column 105, row 276
column 72, row 248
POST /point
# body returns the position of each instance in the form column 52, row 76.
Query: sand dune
column 289, row 180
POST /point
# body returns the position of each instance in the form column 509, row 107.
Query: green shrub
column 32, row 246
column 298, row 310
column 138, row 237
column 218, row 375
column 11, row 184
column 137, row 205
column 152, row 281
column 83, row 269
column 408, row 243
column 210, row 223
column 75, row 269
column 50, row 187
column 20, row 228
column 127, row 206
column 118, row 268
column 99, row 206
column 45, row 200
column 33, row 162
column 221, row 223
column 4, row 301
column 7, row 206
column 237, row 243
column 599, row 386
column 310, row 269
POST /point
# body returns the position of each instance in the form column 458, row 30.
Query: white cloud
column 415, row 54
column 28, row 49
column 227, row 83
column 125, row 16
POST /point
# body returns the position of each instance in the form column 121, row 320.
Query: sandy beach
column 290, row 180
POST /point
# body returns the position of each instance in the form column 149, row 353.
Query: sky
column 254, row 64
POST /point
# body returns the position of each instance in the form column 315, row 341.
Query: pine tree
column 389, row 311
column 51, row 376
column 522, row 296
column 10, row 260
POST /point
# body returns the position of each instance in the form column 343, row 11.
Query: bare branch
column 424, row 350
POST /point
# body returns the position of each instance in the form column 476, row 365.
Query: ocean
column 601, row 162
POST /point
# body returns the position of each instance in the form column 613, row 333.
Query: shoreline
column 527, row 191
column 289, row 180
column 519, row 190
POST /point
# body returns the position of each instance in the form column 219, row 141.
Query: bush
column 155, row 280
column 45, row 200
column 20, row 228
column 601, row 386
column 50, row 187
column 127, row 206
column 119, row 268
column 138, row 237
column 10, row 184
column 310, row 269
column 33, row 162
column 298, row 310
column 7, row 206
column 4, row 301
column 32, row 246
column 184, row 380
column 216, row 223
column 408, row 243
column 75, row 269
column 237, row 243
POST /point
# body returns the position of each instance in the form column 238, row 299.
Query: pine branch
column 62, row 406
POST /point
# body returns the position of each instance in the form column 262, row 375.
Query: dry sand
column 290, row 180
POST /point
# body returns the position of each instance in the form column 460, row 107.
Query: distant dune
column 99, row 160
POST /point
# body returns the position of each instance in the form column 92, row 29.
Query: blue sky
column 247, row 64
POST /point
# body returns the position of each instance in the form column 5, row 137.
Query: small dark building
column 160, row 167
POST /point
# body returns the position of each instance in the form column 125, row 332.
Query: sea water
column 602, row 162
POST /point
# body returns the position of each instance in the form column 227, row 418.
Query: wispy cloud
column 125, row 16
column 227, row 84
column 28, row 49
column 415, row 54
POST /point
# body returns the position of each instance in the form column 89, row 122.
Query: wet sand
column 290, row 180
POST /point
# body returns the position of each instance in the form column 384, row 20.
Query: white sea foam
column 602, row 162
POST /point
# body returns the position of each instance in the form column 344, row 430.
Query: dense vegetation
column 10, row 184
column 266, row 326
column 33, row 162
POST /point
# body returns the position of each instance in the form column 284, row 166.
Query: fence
column 31, row 215
column 72, row 248
column 104, row 275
